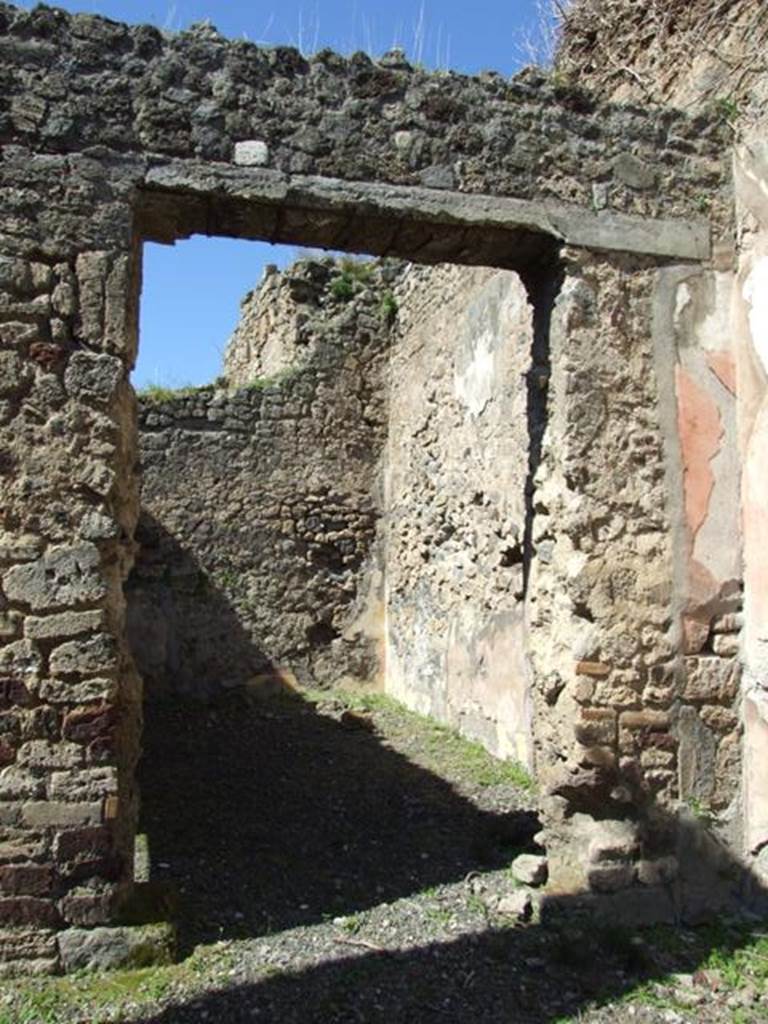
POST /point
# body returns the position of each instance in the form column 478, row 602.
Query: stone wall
column 457, row 467
column 706, row 56
column 751, row 334
column 72, row 83
column 260, row 505
column 111, row 135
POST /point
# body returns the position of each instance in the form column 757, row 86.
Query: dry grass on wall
column 686, row 52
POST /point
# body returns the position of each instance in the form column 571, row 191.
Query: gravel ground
column 338, row 866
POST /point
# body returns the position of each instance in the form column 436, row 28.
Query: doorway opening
column 339, row 511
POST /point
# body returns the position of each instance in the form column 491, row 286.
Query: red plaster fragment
column 723, row 366
column 700, row 430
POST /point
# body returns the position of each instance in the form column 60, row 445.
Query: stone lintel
column 386, row 219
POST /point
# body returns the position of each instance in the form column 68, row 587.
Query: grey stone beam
column 429, row 225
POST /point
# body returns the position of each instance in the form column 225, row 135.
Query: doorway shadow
column 186, row 637
column 511, row 976
column 266, row 815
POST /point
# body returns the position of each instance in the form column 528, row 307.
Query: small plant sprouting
column 275, row 380
column 342, row 288
column 357, row 270
column 388, row 307
column 727, row 108
column 697, row 808
column 703, row 203
column 354, row 274
column 158, row 393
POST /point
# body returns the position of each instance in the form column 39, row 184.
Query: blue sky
column 192, row 291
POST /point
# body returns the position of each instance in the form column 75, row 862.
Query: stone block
column 10, row 625
column 530, row 869
column 11, row 968
column 696, row 757
column 598, row 757
column 64, row 576
column 596, row 727
column 14, row 693
column 610, row 877
column 20, row 659
column 26, row 879
column 27, row 944
column 21, row 844
column 87, row 908
column 86, row 691
column 710, row 679
column 18, row 784
column 50, row 814
column 726, row 645
column 438, row 176
column 93, row 377
column 15, row 274
column 82, row 786
column 655, row 758
column 593, row 669
column 24, row 548
column 10, row 813
column 85, row 853
column 695, row 633
column 49, row 756
column 732, row 622
column 86, row 725
column 63, row 624
column 718, row 718
column 634, row 172
column 612, row 841
column 252, row 153
column 21, row 911
column 517, row 904
column 101, row 949
column 727, row 770
column 649, row 718
column 14, row 374
column 94, row 656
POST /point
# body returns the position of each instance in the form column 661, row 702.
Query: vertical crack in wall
column 543, row 285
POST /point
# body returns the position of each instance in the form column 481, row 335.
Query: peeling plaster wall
column 457, row 463
column 750, row 310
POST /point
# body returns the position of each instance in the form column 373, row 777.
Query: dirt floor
column 337, row 860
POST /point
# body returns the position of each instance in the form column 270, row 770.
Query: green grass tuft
column 158, row 393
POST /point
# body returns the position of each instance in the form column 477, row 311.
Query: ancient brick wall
column 704, row 56
column 110, row 135
column 70, row 83
column 260, row 505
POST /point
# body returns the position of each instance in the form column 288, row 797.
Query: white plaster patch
column 251, row 153
column 756, row 296
column 757, row 179
column 682, row 299
column 474, row 384
column 714, row 332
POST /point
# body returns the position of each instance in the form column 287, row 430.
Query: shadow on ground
column 267, row 815
column 535, row 975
